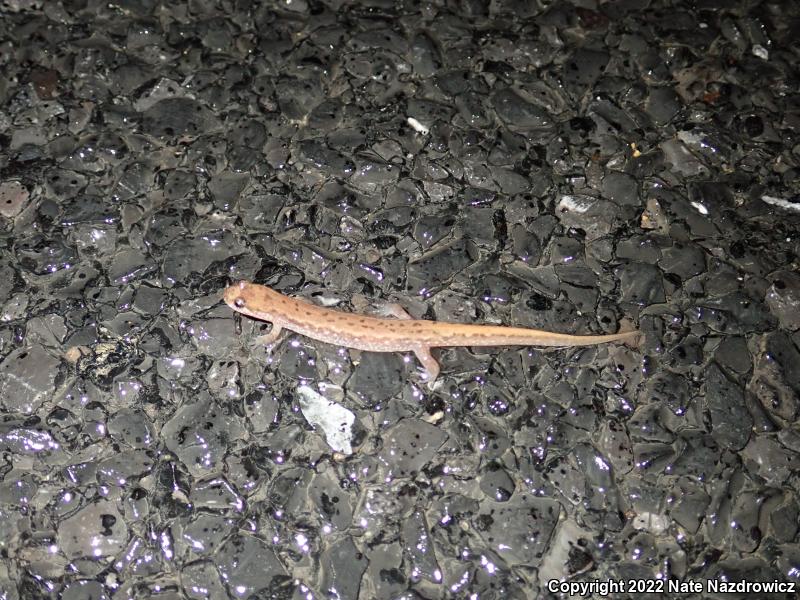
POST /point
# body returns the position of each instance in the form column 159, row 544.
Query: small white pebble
column 781, row 203
column 13, row 197
column 700, row 208
column 760, row 52
column 417, row 126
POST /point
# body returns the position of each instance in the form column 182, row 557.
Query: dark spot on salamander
column 239, row 303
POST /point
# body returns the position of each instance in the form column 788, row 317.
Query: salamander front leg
column 270, row 338
column 429, row 363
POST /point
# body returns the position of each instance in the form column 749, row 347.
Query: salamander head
column 250, row 299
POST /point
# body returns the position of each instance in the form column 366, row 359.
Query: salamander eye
column 239, row 303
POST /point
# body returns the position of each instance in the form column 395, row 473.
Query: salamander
column 379, row 334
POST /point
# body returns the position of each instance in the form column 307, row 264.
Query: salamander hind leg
column 429, row 363
column 270, row 338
